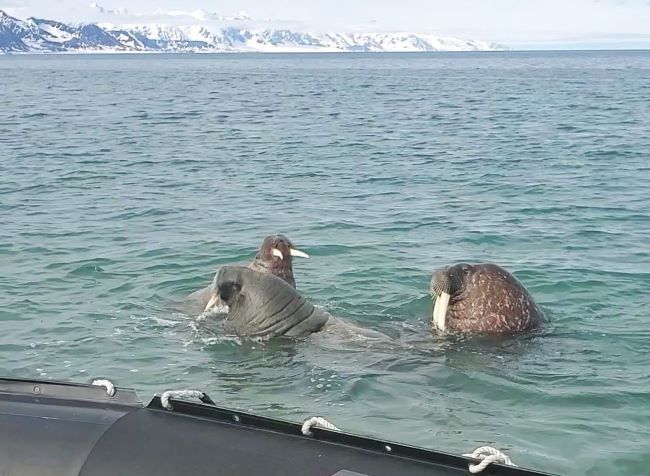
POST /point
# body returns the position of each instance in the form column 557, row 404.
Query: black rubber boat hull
column 57, row 429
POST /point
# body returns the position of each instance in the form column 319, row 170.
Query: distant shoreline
column 311, row 52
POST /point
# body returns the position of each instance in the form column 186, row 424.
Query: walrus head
column 482, row 297
column 264, row 305
column 275, row 257
column 447, row 283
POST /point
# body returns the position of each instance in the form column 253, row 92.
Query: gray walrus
column 274, row 257
column 263, row 305
column 483, row 298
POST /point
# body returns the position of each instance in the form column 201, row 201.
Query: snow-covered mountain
column 39, row 35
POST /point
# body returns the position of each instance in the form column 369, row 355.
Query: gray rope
column 488, row 455
column 317, row 422
column 183, row 394
column 102, row 382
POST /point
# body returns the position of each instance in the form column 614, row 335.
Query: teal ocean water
column 126, row 181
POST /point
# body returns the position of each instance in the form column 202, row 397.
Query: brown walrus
column 482, row 298
column 274, row 257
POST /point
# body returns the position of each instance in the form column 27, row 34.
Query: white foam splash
column 160, row 321
column 214, row 312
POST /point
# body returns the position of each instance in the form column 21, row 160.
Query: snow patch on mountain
column 43, row 35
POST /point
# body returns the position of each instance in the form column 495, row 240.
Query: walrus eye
column 465, row 269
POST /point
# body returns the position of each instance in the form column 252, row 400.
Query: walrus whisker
column 439, row 288
column 440, row 283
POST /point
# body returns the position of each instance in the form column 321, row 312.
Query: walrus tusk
column 278, row 253
column 440, row 311
column 213, row 300
column 301, row 254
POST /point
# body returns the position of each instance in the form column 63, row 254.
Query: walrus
column 264, row 305
column 482, row 298
column 274, row 257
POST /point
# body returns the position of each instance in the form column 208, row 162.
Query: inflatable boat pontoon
column 50, row 428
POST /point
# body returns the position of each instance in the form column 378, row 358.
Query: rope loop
column 183, row 394
column 488, row 455
column 318, row 422
column 102, row 382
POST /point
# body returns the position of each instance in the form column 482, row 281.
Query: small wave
column 159, row 321
column 213, row 340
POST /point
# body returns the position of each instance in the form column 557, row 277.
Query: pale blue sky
column 516, row 23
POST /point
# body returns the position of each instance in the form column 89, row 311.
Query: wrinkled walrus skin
column 264, row 305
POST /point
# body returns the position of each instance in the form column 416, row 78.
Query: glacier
column 50, row 36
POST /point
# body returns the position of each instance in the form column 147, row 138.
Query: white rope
column 102, row 382
column 317, row 422
column 488, row 455
column 185, row 394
